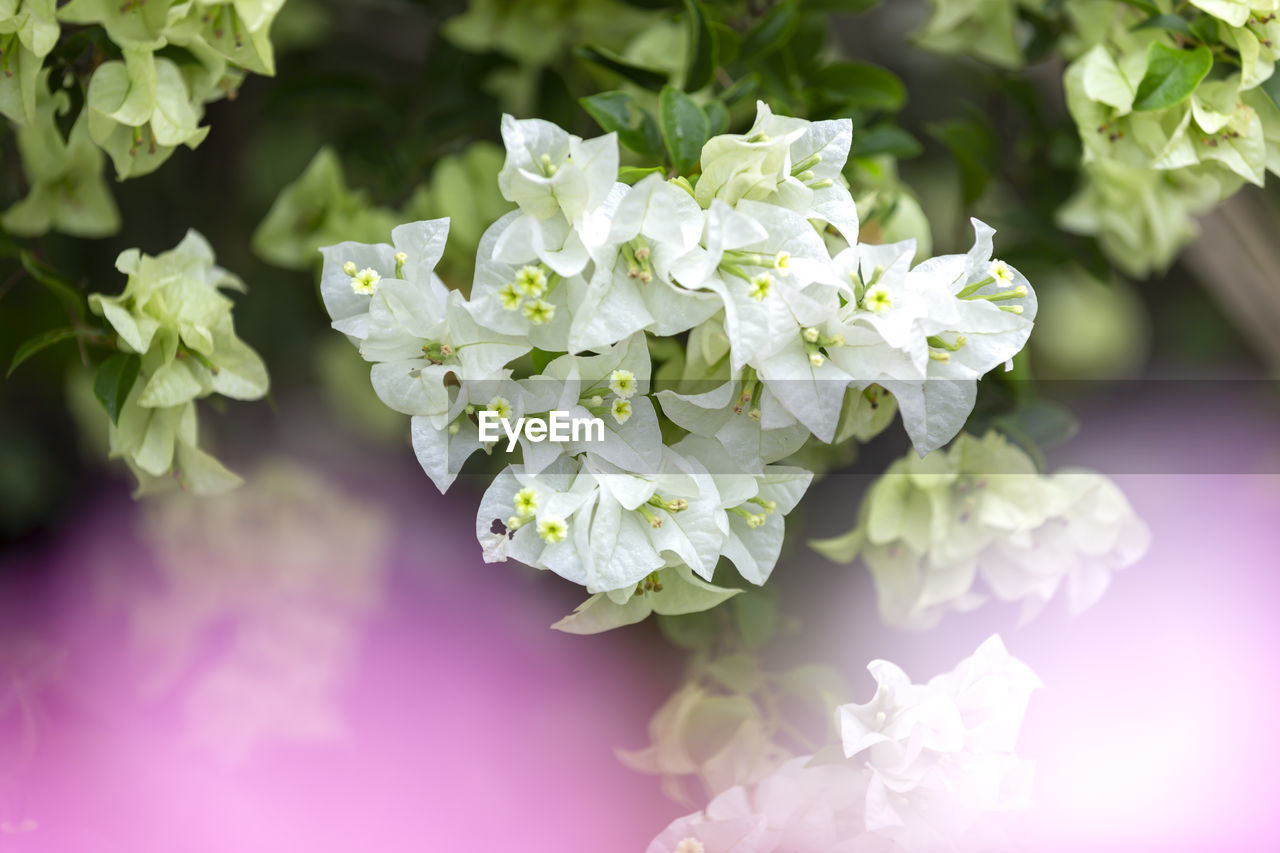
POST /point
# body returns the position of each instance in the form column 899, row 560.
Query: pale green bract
column 1148, row 172
column 984, row 29
column 1174, row 106
column 28, row 31
column 139, row 110
column 315, row 210
column 929, row 527
column 68, row 191
column 174, row 317
column 796, row 335
column 703, row 732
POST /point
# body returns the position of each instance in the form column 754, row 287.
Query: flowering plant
column 732, row 285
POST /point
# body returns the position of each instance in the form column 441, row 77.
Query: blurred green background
column 404, row 101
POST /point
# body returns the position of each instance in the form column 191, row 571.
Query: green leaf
column 1172, row 75
column 772, row 31
column 617, row 112
column 646, row 78
column 43, row 341
column 611, row 110
column 806, row 49
column 541, row 358
column 113, row 382
column 861, row 85
column 744, row 87
column 66, row 293
column 973, row 144
column 850, row 7
column 717, row 117
column 633, row 174
column 1172, row 23
column 8, row 248
column 884, row 139
column 1205, row 29
column 685, row 128
column 728, row 43
column 1040, row 422
column 1144, row 5
column 702, row 53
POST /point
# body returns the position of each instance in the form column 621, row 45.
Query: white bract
column 558, row 180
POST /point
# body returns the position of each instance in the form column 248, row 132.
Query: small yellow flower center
column 538, row 312
column 1002, row 272
column 509, row 297
column 758, row 287
column 552, row 529
column 365, row 281
column 526, row 502
column 501, row 406
column 878, row 299
column 531, row 281
column 623, row 383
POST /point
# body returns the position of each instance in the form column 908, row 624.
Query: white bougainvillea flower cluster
column 921, row 767
column 930, row 527
column 783, row 344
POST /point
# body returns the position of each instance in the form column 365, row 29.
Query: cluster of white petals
column 930, row 527
column 786, row 323
column 924, row 767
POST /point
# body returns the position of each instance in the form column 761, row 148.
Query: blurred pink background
column 370, row 684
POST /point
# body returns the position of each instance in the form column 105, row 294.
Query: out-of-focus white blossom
column 922, row 767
